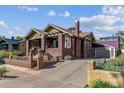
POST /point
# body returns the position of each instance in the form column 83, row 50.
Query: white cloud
column 113, row 10
column 66, row 14
column 99, row 20
column 3, row 24
column 51, row 13
column 110, row 21
column 14, row 32
column 102, row 24
column 28, row 8
column 16, row 29
column 10, row 33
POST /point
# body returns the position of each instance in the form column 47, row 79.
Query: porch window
column 52, row 42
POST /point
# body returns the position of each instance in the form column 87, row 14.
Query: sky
column 101, row 20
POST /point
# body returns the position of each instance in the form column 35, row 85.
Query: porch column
column 10, row 47
column 43, row 43
column 27, row 47
column 61, row 45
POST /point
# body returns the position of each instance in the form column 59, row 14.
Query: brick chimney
column 77, row 27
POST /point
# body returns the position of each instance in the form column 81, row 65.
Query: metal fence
column 116, row 67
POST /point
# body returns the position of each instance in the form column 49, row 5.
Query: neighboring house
column 103, row 51
column 112, row 41
column 107, row 47
column 9, row 44
column 59, row 42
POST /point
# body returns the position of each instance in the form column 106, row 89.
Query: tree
column 19, row 38
column 1, row 39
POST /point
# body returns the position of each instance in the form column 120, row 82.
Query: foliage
column 122, row 45
column 116, row 64
column 17, row 53
column 19, row 57
column 19, row 38
column 101, row 84
column 4, row 53
column 1, row 39
column 3, row 71
column 68, row 57
column 119, row 61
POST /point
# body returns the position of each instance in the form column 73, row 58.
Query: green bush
column 68, row 57
column 4, row 53
column 17, row 53
column 119, row 61
column 19, row 57
column 101, row 84
column 3, row 71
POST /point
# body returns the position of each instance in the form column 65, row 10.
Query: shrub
column 3, row 71
column 19, row 57
column 68, row 57
column 4, row 53
column 101, row 84
column 17, row 53
column 119, row 61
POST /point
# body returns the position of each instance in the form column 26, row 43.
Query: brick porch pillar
column 10, row 47
column 30, row 58
column 27, row 47
column 61, row 45
column 40, row 63
column 43, row 43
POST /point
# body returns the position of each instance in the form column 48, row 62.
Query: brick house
column 59, row 42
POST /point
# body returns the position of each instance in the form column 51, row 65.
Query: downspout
column 75, row 46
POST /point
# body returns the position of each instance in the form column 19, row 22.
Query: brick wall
column 78, row 48
column 22, row 47
column 116, row 78
column 15, row 62
column 53, row 52
column 87, row 52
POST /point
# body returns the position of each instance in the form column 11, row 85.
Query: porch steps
column 34, row 68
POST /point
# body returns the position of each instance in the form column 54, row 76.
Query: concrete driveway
column 71, row 74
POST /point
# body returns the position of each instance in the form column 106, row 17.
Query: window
column 87, row 44
column 67, row 42
column 52, row 42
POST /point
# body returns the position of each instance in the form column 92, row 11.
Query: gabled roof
column 81, row 33
column 57, row 27
column 69, row 31
column 84, row 34
column 35, row 30
column 99, row 44
column 9, row 41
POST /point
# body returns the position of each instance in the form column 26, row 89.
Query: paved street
column 61, row 75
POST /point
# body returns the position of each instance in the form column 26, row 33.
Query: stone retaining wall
column 116, row 78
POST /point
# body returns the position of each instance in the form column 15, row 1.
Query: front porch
column 51, row 46
column 9, row 47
